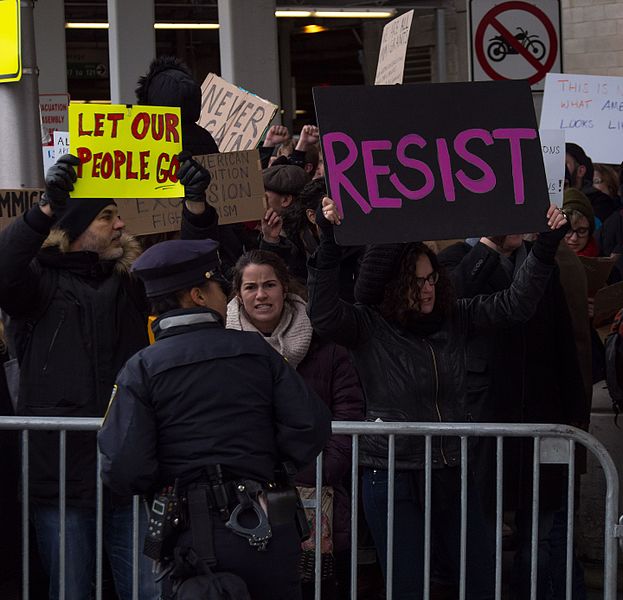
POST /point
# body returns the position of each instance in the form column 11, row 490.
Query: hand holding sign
column 193, row 177
column 59, row 181
column 330, row 212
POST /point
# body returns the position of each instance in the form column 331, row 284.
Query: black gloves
column 547, row 243
column 193, row 177
column 59, row 181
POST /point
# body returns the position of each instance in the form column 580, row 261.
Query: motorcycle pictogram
column 499, row 48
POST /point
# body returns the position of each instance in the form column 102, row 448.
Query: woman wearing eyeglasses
column 582, row 223
column 407, row 337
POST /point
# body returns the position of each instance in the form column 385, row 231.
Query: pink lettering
column 445, row 167
column 487, row 182
column 336, row 171
column 514, row 135
column 413, row 163
column 373, row 171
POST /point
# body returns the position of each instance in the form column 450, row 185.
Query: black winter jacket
column 409, row 378
column 204, row 395
column 74, row 322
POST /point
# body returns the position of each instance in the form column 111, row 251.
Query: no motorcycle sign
column 514, row 40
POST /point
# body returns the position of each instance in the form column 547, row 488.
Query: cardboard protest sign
column 236, row 118
column 390, row 68
column 608, row 301
column 598, row 270
column 126, row 151
column 589, row 110
column 236, row 191
column 14, row 203
column 553, row 148
column 432, row 161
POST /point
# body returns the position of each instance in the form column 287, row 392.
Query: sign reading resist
column 432, row 161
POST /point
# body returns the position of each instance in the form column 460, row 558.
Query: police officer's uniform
column 204, row 395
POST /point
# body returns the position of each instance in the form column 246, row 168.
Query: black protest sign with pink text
column 432, row 161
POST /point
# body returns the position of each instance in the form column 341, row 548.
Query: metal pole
column 20, row 126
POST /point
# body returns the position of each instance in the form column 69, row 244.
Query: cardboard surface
column 598, row 270
column 391, row 64
column 236, row 192
column 432, row 161
column 14, row 203
column 236, row 118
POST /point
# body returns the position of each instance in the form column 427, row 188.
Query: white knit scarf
column 291, row 337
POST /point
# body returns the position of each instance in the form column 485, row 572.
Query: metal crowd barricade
column 553, row 444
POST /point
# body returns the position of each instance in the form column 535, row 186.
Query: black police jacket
column 411, row 378
column 204, row 395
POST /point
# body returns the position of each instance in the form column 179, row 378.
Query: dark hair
column 609, row 177
column 396, row 305
column 158, row 305
column 260, row 257
column 295, row 221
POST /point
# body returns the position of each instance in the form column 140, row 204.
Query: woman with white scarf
column 263, row 303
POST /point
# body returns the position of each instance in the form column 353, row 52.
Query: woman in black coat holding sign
column 407, row 336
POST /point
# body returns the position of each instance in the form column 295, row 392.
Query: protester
column 526, row 373
column 304, row 155
column 408, row 341
column 263, row 303
column 76, row 314
column 606, row 180
column 582, row 223
column 581, row 171
column 204, row 400
column 294, row 236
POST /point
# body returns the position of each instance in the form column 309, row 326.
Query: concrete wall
column 593, row 36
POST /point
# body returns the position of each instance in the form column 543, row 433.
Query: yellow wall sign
column 10, row 41
column 126, row 151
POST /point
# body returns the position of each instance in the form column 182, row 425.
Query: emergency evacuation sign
column 10, row 43
column 514, row 40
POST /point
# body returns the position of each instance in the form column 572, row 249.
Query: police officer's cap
column 178, row 265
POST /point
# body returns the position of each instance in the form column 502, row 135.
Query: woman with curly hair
column 407, row 336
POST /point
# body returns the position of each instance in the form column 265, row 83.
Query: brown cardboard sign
column 236, row 118
column 236, row 191
column 14, row 203
column 597, row 271
column 608, row 301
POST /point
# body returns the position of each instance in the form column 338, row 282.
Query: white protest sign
column 391, row 65
column 53, row 108
column 236, row 118
column 589, row 108
column 553, row 148
column 60, row 146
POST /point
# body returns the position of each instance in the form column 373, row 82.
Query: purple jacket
column 328, row 371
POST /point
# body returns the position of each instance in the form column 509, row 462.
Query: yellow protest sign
column 10, row 42
column 126, row 151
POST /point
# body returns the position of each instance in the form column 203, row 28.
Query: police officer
column 213, row 409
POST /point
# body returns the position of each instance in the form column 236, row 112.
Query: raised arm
column 332, row 318
column 517, row 304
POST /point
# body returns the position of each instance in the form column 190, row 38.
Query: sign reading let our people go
column 432, row 161
column 126, row 151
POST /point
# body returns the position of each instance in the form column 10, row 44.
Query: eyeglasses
column 432, row 279
column 579, row 232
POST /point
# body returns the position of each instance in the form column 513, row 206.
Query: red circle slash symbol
column 491, row 19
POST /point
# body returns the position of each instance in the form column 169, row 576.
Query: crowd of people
column 264, row 333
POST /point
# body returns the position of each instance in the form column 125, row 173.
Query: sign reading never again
column 126, row 151
column 432, row 161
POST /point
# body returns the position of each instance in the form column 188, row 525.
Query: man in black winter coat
column 76, row 315
column 203, row 396
column 527, row 373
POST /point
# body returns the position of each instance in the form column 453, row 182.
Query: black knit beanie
column 379, row 265
column 79, row 214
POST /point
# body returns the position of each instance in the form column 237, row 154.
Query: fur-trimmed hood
column 131, row 248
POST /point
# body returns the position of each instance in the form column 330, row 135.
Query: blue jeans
column 80, row 526
column 551, row 561
column 408, row 570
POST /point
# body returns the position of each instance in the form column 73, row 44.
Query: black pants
column 271, row 574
